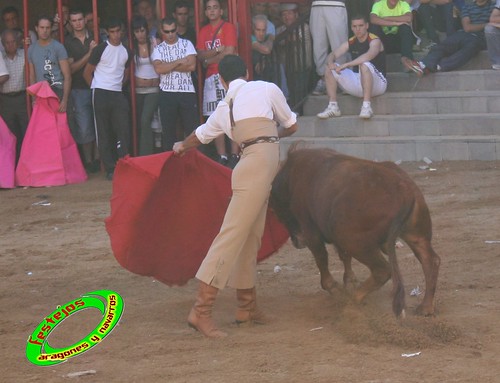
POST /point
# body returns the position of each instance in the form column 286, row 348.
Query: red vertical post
column 96, row 24
column 197, row 26
column 61, row 21
column 163, row 9
column 26, row 64
column 244, row 21
column 132, row 79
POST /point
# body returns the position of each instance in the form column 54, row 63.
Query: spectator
column 434, row 13
column 11, row 20
column 13, row 90
column 262, row 46
column 4, row 73
column 295, row 51
column 328, row 23
column 262, row 9
column 391, row 21
column 48, row 61
column 215, row 40
column 79, row 45
column 89, row 22
column 66, row 24
column 145, row 9
column 106, row 72
column 174, row 60
column 492, row 34
column 181, row 16
column 146, row 83
column 367, row 76
column 461, row 46
column 273, row 14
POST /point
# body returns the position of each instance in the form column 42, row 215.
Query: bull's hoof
column 330, row 285
column 350, row 284
column 425, row 310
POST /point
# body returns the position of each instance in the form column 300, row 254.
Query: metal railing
column 293, row 62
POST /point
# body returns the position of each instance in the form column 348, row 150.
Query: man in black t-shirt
column 79, row 45
column 367, row 76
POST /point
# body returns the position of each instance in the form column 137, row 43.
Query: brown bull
column 361, row 207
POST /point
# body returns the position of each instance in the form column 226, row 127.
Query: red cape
column 7, row 156
column 166, row 210
column 49, row 155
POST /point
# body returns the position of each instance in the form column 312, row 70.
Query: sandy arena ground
column 50, row 255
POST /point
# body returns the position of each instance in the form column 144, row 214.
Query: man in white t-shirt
column 106, row 72
column 174, row 60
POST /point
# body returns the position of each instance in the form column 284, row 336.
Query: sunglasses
column 167, row 31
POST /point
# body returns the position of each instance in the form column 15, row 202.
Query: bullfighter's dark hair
column 232, row 67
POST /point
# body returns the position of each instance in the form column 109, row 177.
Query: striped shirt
column 477, row 14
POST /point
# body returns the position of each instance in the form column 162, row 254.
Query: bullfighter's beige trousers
column 232, row 257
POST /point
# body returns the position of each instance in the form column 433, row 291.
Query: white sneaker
column 330, row 111
column 366, row 112
column 495, row 66
column 320, row 88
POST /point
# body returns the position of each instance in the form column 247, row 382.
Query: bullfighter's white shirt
column 254, row 99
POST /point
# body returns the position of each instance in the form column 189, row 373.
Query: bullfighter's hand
column 179, row 149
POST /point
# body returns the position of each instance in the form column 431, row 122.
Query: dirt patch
column 52, row 252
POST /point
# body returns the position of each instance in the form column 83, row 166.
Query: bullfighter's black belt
column 14, row 94
column 259, row 140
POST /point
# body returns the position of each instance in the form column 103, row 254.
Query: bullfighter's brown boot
column 247, row 312
column 200, row 316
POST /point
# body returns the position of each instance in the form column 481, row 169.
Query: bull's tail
column 398, row 289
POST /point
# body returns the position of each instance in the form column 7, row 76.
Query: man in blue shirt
column 461, row 46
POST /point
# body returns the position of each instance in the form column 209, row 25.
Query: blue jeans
column 454, row 51
column 435, row 16
column 82, row 124
column 492, row 35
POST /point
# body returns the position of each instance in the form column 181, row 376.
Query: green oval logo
column 39, row 351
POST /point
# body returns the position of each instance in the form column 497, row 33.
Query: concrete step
column 393, row 126
column 407, row 148
column 424, row 102
column 481, row 79
column 480, row 61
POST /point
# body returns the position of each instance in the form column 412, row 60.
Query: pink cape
column 49, row 155
column 166, row 210
column 7, row 156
